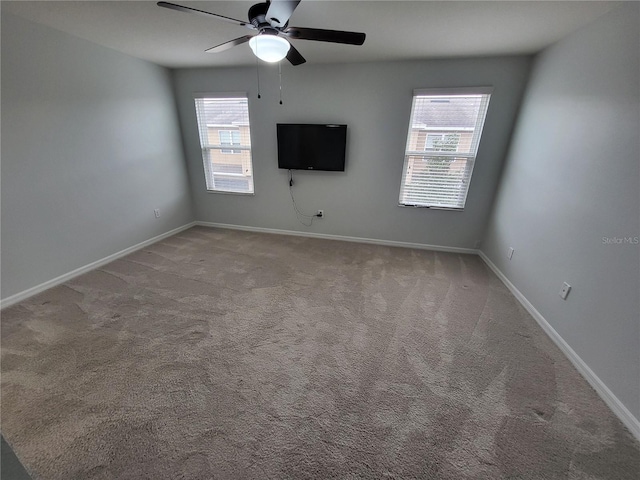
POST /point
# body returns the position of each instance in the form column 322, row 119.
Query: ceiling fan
column 271, row 21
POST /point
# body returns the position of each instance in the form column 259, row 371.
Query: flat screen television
column 312, row 146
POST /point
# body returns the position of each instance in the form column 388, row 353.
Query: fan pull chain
column 280, row 79
column 258, row 75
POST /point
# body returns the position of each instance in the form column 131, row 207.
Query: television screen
column 312, row 147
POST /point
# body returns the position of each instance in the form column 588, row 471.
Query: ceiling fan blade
column 280, row 11
column 294, row 56
column 181, row 8
column 230, row 44
column 321, row 35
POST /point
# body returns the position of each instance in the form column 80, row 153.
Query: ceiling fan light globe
column 269, row 48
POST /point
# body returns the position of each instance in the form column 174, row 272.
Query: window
column 442, row 143
column 223, row 122
column 230, row 138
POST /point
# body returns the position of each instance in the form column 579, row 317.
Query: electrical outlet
column 510, row 253
column 156, row 212
column 564, row 291
column 320, row 214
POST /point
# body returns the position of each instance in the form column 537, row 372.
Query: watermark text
column 621, row 240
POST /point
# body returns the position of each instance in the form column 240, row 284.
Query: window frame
column 207, row 148
column 469, row 157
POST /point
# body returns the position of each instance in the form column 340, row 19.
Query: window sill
column 248, row 194
column 449, row 209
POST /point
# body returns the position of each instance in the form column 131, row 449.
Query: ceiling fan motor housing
column 258, row 16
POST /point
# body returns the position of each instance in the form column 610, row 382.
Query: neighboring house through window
column 442, row 143
column 223, row 122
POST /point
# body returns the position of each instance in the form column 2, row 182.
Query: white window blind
column 442, row 143
column 225, row 138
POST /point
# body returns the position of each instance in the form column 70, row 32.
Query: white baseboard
column 618, row 408
column 325, row 236
column 18, row 297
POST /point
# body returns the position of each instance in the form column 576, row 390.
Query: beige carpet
column 226, row 354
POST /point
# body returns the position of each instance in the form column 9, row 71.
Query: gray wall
column 90, row 146
column 374, row 99
column 572, row 178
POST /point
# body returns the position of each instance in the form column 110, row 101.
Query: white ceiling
column 396, row 30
